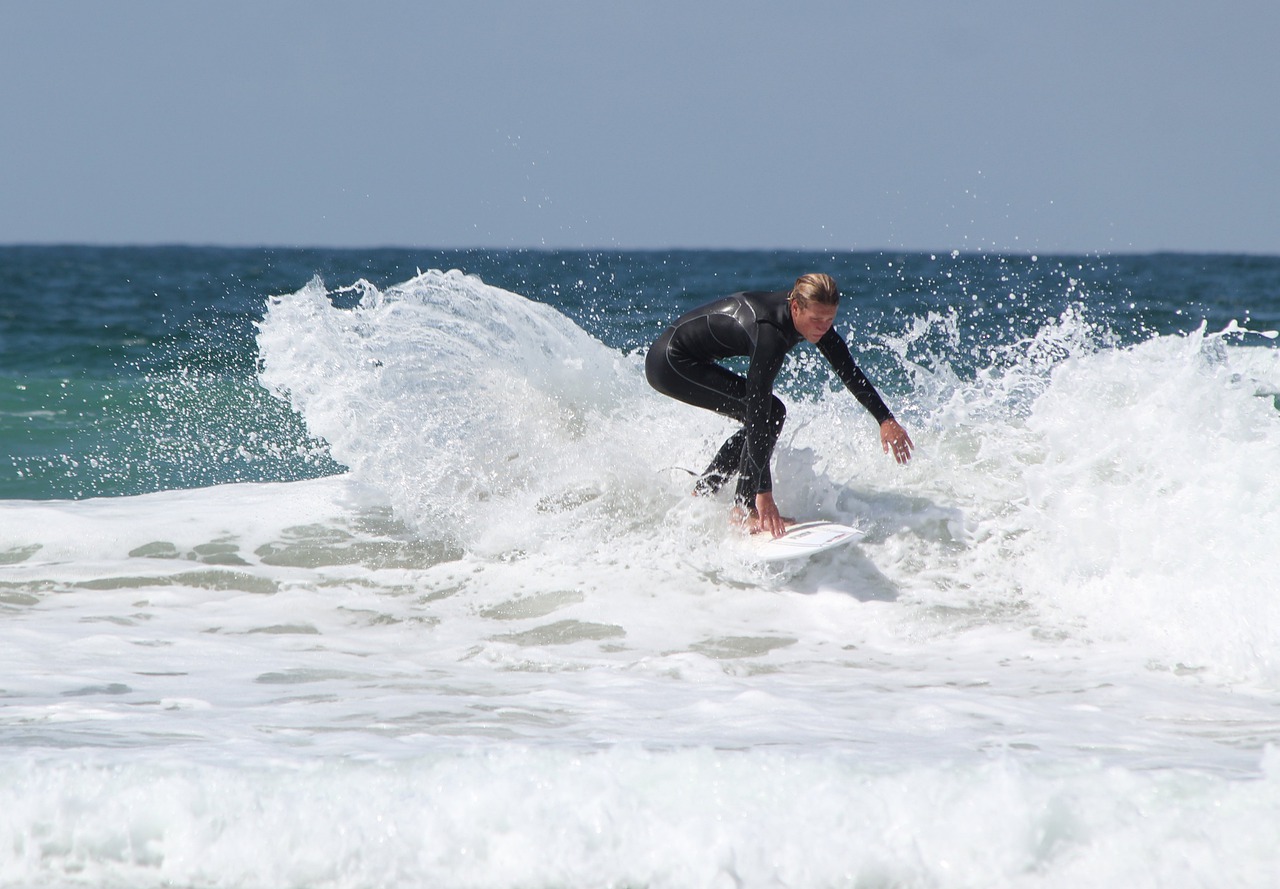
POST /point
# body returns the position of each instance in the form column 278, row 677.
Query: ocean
column 375, row 568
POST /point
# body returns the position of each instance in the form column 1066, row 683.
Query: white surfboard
column 803, row 540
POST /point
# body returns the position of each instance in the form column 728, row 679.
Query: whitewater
column 505, row 648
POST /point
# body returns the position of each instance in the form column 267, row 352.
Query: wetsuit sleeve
column 771, row 350
column 836, row 351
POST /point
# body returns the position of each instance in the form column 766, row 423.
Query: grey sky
column 1084, row 126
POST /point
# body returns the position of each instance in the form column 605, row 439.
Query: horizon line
column 911, row 251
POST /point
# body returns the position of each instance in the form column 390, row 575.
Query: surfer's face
column 812, row 321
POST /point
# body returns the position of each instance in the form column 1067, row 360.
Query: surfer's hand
column 767, row 518
column 894, row 440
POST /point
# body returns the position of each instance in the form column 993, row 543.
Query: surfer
column 764, row 326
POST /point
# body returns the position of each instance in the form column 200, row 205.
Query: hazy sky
column 1031, row 126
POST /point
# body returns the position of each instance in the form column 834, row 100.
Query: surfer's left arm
column 893, row 438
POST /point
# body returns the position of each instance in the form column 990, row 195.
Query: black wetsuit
column 682, row 364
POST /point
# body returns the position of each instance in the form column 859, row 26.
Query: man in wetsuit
column 764, row 327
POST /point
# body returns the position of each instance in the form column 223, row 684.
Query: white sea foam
column 507, row 648
column 519, row 817
column 1129, row 491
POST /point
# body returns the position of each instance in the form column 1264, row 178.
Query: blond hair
column 815, row 287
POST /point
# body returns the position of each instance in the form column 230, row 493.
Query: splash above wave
column 450, row 394
column 1129, row 490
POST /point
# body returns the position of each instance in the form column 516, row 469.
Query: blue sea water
column 128, row 370
column 366, row 568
